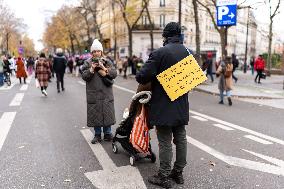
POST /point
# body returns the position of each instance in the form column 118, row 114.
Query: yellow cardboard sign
column 181, row 77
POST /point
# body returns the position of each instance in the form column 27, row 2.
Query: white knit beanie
column 96, row 46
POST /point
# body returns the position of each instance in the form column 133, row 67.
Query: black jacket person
column 169, row 117
column 59, row 66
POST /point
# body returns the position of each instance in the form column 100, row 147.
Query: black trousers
column 259, row 74
column 60, row 80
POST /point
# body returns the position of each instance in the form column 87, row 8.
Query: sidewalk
column 270, row 88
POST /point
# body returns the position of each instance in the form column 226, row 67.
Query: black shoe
column 96, row 139
column 159, row 180
column 108, row 137
column 230, row 101
column 177, row 176
column 221, row 102
column 63, row 89
column 58, row 90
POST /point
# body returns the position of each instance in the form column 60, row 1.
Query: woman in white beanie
column 98, row 72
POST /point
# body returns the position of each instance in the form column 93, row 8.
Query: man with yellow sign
column 172, row 71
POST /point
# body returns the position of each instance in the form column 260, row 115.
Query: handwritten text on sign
column 181, row 77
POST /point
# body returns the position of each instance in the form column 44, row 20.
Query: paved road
column 44, row 143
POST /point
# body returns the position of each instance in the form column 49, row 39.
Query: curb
column 237, row 96
column 217, row 94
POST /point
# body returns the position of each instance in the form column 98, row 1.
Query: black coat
column 163, row 111
column 59, row 64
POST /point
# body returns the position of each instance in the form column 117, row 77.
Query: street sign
column 226, row 12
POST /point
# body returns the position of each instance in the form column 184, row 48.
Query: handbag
column 139, row 137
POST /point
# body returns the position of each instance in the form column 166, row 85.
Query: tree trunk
column 197, row 31
column 269, row 58
column 114, row 30
column 72, row 44
column 223, row 38
column 130, row 41
column 151, row 27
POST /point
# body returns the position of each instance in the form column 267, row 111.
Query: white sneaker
column 44, row 92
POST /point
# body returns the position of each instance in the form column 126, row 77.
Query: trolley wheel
column 132, row 160
column 114, row 148
column 153, row 158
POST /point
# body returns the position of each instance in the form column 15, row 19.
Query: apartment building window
column 162, row 3
column 144, row 20
column 162, row 20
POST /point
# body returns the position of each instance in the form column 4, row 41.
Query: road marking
column 199, row 118
column 124, row 89
column 223, row 122
column 275, row 161
column 7, row 87
column 5, row 124
column 17, row 99
column 223, row 127
column 278, row 141
column 257, row 139
column 111, row 177
column 24, row 87
column 239, row 162
column 82, row 83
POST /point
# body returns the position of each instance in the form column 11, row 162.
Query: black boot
column 177, row 176
column 96, row 139
column 160, row 180
column 230, row 101
column 221, row 102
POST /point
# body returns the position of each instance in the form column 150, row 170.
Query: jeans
column 98, row 130
column 228, row 94
column 164, row 134
column 1, row 79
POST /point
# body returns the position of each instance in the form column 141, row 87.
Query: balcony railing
column 147, row 27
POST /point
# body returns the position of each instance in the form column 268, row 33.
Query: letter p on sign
column 222, row 12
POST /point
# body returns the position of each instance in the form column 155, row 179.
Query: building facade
column 113, row 26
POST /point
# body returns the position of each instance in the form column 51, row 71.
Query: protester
column 98, row 72
column 42, row 73
column 21, row 72
column 125, row 66
column 252, row 65
column 30, row 65
column 209, row 66
column 70, row 64
column 119, row 65
column 1, row 71
column 59, row 66
column 225, row 72
column 259, row 66
column 235, row 63
column 169, row 117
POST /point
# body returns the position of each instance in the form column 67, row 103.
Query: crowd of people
column 98, row 71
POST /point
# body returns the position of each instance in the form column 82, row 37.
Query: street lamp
column 246, row 50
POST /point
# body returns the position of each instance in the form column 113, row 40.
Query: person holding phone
column 100, row 101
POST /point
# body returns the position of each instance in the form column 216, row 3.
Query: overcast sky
column 36, row 12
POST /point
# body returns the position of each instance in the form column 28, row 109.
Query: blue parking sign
column 226, row 12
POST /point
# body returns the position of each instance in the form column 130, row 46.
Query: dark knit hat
column 172, row 29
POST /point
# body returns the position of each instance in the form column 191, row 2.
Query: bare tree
column 114, row 29
column 197, row 30
column 146, row 3
column 272, row 14
column 92, row 8
column 126, row 17
column 210, row 7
